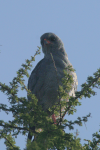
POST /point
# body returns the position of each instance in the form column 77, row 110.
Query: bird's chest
column 52, row 72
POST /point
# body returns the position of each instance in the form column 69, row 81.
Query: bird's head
column 51, row 43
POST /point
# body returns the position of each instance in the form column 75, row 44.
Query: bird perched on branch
column 48, row 73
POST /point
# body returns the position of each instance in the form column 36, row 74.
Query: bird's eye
column 52, row 38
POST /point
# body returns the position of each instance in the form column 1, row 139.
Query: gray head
column 51, row 43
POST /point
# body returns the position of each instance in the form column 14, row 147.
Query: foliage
column 28, row 112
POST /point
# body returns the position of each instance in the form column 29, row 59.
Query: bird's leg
column 54, row 118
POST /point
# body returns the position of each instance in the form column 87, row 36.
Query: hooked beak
column 46, row 42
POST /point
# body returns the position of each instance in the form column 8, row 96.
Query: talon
column 54, row 118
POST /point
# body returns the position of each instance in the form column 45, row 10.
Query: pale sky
column 77, row 23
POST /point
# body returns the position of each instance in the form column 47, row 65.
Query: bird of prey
column 48, row 73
